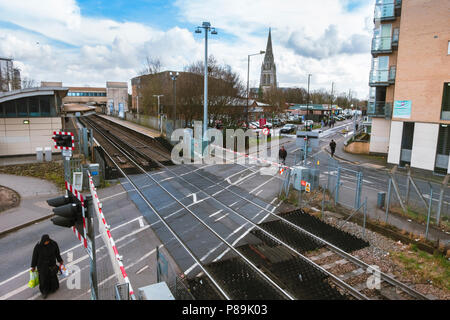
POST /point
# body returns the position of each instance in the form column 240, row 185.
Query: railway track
column 274, row 254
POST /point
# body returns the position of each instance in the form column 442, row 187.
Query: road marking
column 212, row 215
column 256, row 194
column 142, row 269
column 66, row 251
column 226, row 214
column 141, row 222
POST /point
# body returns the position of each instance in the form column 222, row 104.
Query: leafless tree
column 151, row 66
column 29, row 83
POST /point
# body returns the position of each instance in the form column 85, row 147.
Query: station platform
column 133, row 126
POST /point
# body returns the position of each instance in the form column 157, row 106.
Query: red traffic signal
column 303, row 183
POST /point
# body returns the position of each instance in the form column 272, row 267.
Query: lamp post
column 159, row 117
column 248, row 83
column 174, row 76
column 307, row 102
column 207, row 28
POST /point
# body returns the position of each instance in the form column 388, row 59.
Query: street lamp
column 207, row 28
column 159, row 116
column 248, row 83
column 174, row 76
column 307, row 102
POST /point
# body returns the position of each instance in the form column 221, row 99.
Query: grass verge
column 51, row 171
column 424, row 267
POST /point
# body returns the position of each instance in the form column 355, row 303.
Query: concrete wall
column 423, row 154
column 379, row 137
column 395, row 142
column 17, row 138
column 423, row 62
column 117, row 92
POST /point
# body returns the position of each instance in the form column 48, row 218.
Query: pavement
column 33, row 206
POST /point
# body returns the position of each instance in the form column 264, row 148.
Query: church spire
column 269, row 43
column 268, row 68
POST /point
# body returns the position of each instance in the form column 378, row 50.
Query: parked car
column 309, row 123
column 276, row 122
column 288, row 128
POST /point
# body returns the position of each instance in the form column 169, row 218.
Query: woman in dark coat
column 45, row 254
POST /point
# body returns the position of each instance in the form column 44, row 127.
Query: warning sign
column 308, row 187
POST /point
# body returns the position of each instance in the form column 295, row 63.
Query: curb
column 340, row 158
column 24, row 225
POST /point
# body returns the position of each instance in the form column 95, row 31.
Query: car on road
column 288, row 128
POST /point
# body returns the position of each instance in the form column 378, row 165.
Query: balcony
column 382, row 77
column 382, row 45
column 387, row 11
column 379, row 109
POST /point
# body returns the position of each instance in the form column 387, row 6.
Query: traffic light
column 68, row 211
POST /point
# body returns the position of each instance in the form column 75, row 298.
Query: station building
column 28, row 118
column 409, row 81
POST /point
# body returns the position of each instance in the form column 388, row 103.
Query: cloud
column 329, row 44
column 316, row 37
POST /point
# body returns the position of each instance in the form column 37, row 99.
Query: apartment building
column 409, row 103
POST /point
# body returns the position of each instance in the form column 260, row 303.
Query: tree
column 151, row 66
column 29, row 83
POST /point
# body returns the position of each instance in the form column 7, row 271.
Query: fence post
column 323, row 201
column 364, row 221
column 429, row 210
column 408, row 182
column 338, row 182
column 441, row 198
column 358, row 190
column 388, row 199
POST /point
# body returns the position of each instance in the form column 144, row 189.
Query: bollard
column 39, row 154
column 48, row 154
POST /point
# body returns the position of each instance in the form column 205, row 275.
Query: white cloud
column 317, row 37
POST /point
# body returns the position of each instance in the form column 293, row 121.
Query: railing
column 384, row 12
column 392, row 73
column 382, row 77
column 382, row 44
column 395, row 36
column 378, row 109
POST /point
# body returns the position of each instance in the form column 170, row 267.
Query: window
column 44, row 103
column 34, row 106
column 10, row 109
column 22, row 109
column 448, row 48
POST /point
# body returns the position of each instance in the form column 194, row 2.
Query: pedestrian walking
column 332, row 147
column 282, row 154
column 45, row 255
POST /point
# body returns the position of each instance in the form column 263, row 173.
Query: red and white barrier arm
column 116, row 259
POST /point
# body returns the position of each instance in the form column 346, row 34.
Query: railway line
column 276, row 259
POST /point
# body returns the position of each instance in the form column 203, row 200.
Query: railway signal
column 64, row 140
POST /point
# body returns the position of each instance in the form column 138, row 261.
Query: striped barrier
column 118, row 258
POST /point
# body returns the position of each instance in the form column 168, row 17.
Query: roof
column 30, row 92
column 76, row 107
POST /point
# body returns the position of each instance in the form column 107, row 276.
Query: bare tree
column 151, row 66
column 29, row 83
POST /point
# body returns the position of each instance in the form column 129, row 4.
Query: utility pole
column 159, row 111
column 331, row 102
column 174, row 77
column 307, row 102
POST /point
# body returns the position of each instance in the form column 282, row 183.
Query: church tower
column 268, row 69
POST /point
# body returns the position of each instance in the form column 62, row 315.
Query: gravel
column 378, row 254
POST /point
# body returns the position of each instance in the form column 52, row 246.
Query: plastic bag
column 63, row 270
column 34, row 279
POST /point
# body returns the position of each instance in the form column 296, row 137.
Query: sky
column 89, row 42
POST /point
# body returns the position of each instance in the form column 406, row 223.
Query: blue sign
column 402, row 109
column 94, row 173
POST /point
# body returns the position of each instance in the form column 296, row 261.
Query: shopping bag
column 34, row 279
column 63, row 270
